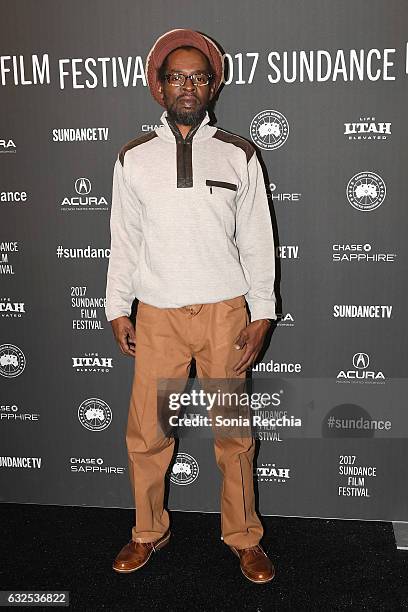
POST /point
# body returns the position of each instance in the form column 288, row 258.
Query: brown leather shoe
column 136, row 554
column 255, row 564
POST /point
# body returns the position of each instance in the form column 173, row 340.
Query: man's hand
column 124, row 333
column 250, row 339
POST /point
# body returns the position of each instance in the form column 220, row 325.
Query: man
column 191, row 238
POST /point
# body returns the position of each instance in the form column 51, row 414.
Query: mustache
column 189, row 97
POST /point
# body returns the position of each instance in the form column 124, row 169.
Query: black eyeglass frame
column 188, row 76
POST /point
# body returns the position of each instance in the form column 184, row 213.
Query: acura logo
column 361, row 361
column 360, row 373
column 83, row 186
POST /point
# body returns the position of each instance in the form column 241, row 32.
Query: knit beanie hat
column 172, row 40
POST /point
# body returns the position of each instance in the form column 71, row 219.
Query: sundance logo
column 21, row 462
column 83, row 200
column 354, row 311
column 287, row 251
column 277, row 366
column 88, row 252
column 7, row 249
column 360, row 372
column 80, row 134
column 13, row 196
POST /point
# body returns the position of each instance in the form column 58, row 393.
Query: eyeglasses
column 177, row 79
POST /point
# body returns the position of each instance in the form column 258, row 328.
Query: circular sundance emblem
column 366, row 191
column 269, row 129
column 94, row 414
column 185, row 470
column 12, row 360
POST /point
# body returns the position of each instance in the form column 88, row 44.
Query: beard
column 187, row 116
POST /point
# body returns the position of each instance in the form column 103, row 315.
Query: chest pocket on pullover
column 223, row 184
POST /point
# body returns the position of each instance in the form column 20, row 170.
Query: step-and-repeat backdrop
column 320, row 88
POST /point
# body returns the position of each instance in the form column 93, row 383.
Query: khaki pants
column 166, row 341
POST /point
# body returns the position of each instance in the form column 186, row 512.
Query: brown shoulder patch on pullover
column 133, row 143
column 237, row 141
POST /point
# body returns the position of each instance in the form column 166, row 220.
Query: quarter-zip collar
column 184, row 158
column 169, row 131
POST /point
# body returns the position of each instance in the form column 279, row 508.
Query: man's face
column 187, row 104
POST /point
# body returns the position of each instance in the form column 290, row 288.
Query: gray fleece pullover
column 190, row 222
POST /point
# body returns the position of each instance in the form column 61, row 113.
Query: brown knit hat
column 172, row 40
